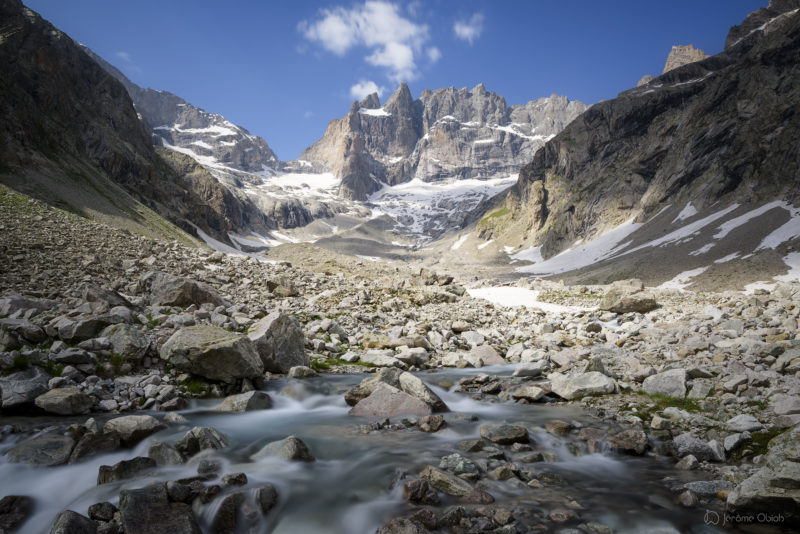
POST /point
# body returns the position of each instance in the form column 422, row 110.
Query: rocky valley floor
column 214, row 393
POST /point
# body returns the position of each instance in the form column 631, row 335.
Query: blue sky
column 283, row 70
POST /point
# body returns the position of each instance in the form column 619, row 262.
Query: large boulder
column 582, row 385
column 14, row 510
column 201, row 438
column 12, row 302
column 245, row 402
column 148, row 510
column 169, row 290
column 69, row 522
column 280, row 342
column 671, row 383
column 25, row 329
column 404, row 381
column 133, row 428
column 446, row 482
column 93, row 443
column 213, row 353
column 124, row 469
column 19, row 390
column 64, row 401
column 289, row 448
column 127, row 341
column 774, row 489
column 44, row 450
column 388, row 401
column 504, row 434
column 625, row 299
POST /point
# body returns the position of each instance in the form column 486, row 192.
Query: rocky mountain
column 683, row 55
column 70, row 135
column 443, row 135
column 228, row 151
column 714, row 137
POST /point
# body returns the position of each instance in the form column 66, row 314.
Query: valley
column 448, row 315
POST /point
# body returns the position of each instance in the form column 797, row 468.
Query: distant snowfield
column 415, row 203
column 613, row 244
column 519, row 296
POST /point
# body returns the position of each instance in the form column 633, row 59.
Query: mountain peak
column 401, row 98
column 683, row 55
column 371, row 102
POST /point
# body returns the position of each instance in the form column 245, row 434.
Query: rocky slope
column 71, row 136
column 718, row 132
column 443, row 135
column 228, row 151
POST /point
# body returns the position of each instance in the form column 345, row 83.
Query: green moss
column 759, row 443
column 116, row 362
column 52, row 368
column 21, row 363
column 195, row 386
column 493, row 215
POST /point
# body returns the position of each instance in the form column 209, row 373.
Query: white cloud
column 469, row 30
column 364, row 88
column 125, row 56
column 434, row 54
column 308, row 114
column 394, row 41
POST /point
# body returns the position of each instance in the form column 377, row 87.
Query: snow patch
column 686, row 213
column 787, row 231
column 457, row 244
column 519, row 296
column 533, row 255
column 380, row 112
column 792, row 260
column 683, row 279
column 727, row 258
column 484, row 245
column 726, row 227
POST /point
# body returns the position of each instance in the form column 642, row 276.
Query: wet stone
column 504, row 434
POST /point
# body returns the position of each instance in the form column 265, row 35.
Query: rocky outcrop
column 682, row 55
column 696, row 132
column 444, row 134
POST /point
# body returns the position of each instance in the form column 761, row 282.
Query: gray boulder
column 280, row 342
column 743, row 423
column 446, row 482
column 127, row 341
column 213, row 353
column 164, row 454
column 388, row 401
column 64, row 401
column 148, row 510
column 14, row 510
column 577, row 386
column 93, row 443
column 24, row 328
column 289, row 448
column 404, row 381
column 19, row 390
column 671, row 383
column 13, row 302
column 69, row 522
column 245, row 402
column 201, row 438
column 44, row 450
column 686, row 444
column 133, row 428
column 504, row 434
column 169, row 290
column 124, row 469
column 620, row 299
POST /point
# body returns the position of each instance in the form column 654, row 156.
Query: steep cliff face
column 70, row 135
column 445, row 134
column 228, row 151
column 723, row 129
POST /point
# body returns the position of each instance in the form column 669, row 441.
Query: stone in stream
column 14, row 510
column 266, row 498
column 69, row 522
column 477, row 496
column 446, row 482
column 530, row 369
column 504, row 434
column 582, row 385
column 388, row 401
column 94, row 443
column 484, row 354
column 631, row 441
column 528, row 393
column 289, row 448
column 420, row 491
column 245, row 402
column 225, row 518
column 148, row 510
column 64, row 401
column 102, row 511
column 164, row 454
column 670, row 383
column 212, row 352
column 19, row 390
column 431, row 423
column 201, row 438
column 403, row 525
column 280, row 342
column 124, row 469
column 133, row 428
column 458, row 465
column 44, row 450
column 401, row 380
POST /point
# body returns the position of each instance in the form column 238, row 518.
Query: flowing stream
column 349, row 489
